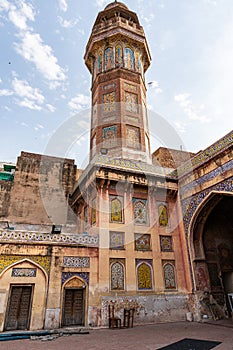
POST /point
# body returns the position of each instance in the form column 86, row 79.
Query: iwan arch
column 148, row 231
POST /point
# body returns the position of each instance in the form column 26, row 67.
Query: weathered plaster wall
column 5, row 190
column 40, row 189
column 148, row 308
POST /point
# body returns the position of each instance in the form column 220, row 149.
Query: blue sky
column 45, row 85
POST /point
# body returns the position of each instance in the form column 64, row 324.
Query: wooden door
column 19, row 308
column 73, row 307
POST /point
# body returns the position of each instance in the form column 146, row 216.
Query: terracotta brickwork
column 170, row 158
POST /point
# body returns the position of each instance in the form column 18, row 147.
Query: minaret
column 117, row 56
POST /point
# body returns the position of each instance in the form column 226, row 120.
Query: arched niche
column 28, row 280
column 74, row 302
column 211, row 249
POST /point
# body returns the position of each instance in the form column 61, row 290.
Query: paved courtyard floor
column 148, row 337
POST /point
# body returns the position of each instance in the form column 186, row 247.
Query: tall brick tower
column 117, row 56
column 121, row 200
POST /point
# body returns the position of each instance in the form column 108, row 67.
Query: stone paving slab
column 148, row 337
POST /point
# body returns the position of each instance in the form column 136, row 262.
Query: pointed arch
column 117, row 273
column 100, row 61
column 116, row 210
column 169, row 276
column 197, row 222
column 19, row 262
column 118, row 55
column 129, row 59
column 163, row 214
column 144, row 276
column 108, row 58
column 74, row 302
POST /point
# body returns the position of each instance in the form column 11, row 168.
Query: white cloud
column 63, row 5
column 211, row 2
column 79, row 102
column 30, row 46
column 4, row 5
column 38, row 127
column 29, row 97
column 23, row 89
column 0, row 80
column 50, row 107
column 20, row 14
column 29, row 104
column 34, row 50
column 193, row 112
column 149, row 18
column 6, row 92
column 81, row 31
column 67, row 24
column 24, row 124
column 101, row 3
column 180, row 126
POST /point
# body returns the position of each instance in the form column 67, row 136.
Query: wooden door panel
column 73, row 308
column 18, row 310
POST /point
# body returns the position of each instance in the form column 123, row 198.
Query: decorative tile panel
column 140, row 211
column 7, row 260
column 109, row 86
column 169, row 274
column 117, row 240
column 68, row 275
column 210, row 176
column 110, row 136
column 163, row 214
column 132, row 137
column 117, row 271
column 119, row 55
column 109, row 102
column 119, row 163
column 190, row 205
column 130, row 87
column 144, row 274
column 137, row 61
column 207, row 154
column 23, row 272
column 131, row 101
column 116, row 209
column 142, row 242
column 18, row 236
column 100, row 62
column 166, row 243
column 129, row 58
column 93, row 212
column 86, row 217
column 108, row 58
column 132, row 118
column 76, row 261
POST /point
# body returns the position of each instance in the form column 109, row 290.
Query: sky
column 45, row 86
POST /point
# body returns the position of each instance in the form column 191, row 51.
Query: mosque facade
column 151, row 232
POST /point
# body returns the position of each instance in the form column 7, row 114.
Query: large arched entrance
column 212, row 254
